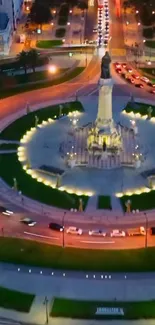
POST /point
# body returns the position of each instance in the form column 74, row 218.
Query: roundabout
column 100, row 152
column 79, row 189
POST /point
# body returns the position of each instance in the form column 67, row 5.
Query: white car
column 74, row 231
column 117, row 233
column 97, row 233
column 145, row 79
column 28, row 222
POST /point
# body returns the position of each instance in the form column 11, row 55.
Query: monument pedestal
column 104, row 118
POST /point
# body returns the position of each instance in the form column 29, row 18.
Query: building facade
column 11, row 9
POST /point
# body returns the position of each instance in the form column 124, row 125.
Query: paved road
column 11, row 226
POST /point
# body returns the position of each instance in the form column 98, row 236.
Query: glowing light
column 119, row 194
column 29, row 171
column 144, row 117
column 62, row 188
column 39, row 179
column 138, row 192
column 44, row 122
column 128, row 193
column 79, row 193
column 47, row 183
column 50, row 120
column 52, row 69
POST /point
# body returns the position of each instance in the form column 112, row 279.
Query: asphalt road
column 13, row 227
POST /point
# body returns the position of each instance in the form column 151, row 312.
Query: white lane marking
column 97, row 242
column 37, row 235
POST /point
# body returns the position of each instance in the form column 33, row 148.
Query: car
column 5, row 211
column 117, row 233
column 152, row 91
column 95, row 30
column 118, row 70
column 55, row 226
column 74, row 231
column 139, row 85
column 128, row 69
column 29, row 222
column 117, row 65
column 135, row 76
column 124, row 65
column 145, row 79
column 151, row 84
column 130, row 80
column 97, row 232
column 152, row 231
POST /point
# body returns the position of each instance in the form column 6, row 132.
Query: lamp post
column 146, row 228
column 46, row 308
column 63, row 232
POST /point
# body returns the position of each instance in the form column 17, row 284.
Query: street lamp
column 146, row 228
column 63, row 232
column 46, row 308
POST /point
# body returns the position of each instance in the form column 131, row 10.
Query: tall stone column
column 104, row 116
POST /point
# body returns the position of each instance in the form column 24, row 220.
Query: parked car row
column 133, row 77
column 99, row 232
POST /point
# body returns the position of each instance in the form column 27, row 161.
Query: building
column 10, row 12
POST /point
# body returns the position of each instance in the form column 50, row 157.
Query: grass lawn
column 44, row 84
column 139, row 108
column 37, row 76
column 20, row 251
column 14, row 64
column 15, row 300
column 10, row 167
column 47, row 44
column 29, row 186
column 8, row 146
column 18, row 128
column 144, row 201
column 104, row 202
column 150, row 44
column 87, row 309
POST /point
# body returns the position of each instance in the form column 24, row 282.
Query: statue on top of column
column 105, row 66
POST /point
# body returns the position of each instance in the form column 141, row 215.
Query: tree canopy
column 40, row 13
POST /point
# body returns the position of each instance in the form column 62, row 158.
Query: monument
column 102, row 143
column 107, row 137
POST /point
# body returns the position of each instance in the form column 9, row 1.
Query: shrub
column 148, row 32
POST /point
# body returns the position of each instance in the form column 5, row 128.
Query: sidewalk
column 73, row 288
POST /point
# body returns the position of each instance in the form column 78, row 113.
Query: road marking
column 97, row 242
column 37, row 235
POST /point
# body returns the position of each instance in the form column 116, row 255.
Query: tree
column 40, row 13
column 83, row 5
column 33, row 58
column 23, row 60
